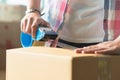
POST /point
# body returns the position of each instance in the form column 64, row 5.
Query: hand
column 109, row 47
column 30, row 22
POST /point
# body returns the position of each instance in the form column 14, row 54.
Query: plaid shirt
column 112, row 19
column 55, row 10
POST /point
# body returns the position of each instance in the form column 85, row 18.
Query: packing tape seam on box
column 104, row 69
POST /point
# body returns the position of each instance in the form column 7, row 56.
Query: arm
column 118, row 39
column 32, row 19
column 33, row 4
column 108, row 47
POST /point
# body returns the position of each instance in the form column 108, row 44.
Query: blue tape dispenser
column 27, row 40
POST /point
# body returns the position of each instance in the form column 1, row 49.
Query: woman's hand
column 109, row 47
column 30, row 22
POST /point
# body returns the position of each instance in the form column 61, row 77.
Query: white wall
column 19, row 2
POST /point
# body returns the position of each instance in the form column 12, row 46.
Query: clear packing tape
column 104, row 69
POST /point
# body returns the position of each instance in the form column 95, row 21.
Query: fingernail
column 82, row 52
column 96, row 52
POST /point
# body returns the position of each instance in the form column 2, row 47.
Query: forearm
column 118, row 38
column 33, row 4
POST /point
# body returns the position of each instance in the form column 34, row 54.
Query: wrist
column 33, row 11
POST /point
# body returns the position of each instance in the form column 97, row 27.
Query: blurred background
column 14, row 2
column 11, row 13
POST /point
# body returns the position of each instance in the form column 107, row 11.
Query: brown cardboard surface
column 44, row 63
column 115, row 68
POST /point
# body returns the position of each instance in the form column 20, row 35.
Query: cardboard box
column 10, row 12
column 9, row 35
column 44, row 63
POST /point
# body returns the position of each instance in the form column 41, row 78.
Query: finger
column 103, row 52
column 91, row 49
column 106, row 51
column 33, row 31
column 28, row 26
column 82, row 50
column 23, row 25
column 43, row 23
column 78, row 50
column 34, row 28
